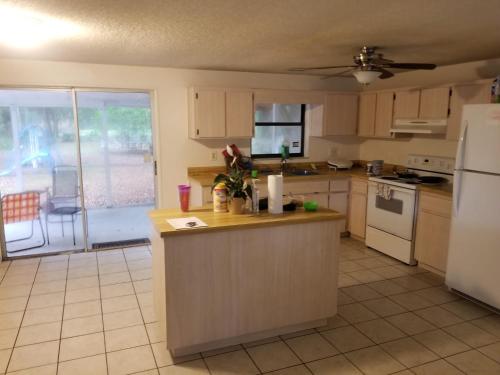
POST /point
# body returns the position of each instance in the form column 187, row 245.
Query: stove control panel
column 437, row 164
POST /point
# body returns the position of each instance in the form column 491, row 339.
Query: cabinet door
column 383, row 114
column 434, row 103
column 357, row 214
column 406, row 104
column 431, row 242
column 341, row 114
column 461, row 95
column 209, row 113
column 366, row 114
column 339, row 202
column 239, row 113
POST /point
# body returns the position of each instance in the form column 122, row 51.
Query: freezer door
column 479, row 144
column 474, row 250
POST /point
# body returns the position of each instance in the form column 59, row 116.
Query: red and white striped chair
column 19, row 207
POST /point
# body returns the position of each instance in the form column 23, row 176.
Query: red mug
column 184, row 191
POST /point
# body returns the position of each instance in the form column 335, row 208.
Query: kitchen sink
column 290, row 172
column 301, row 172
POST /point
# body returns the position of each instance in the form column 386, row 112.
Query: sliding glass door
column 39, row 173
column 74, row 185
column 117, row 164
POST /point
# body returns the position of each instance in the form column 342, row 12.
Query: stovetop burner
column 416, row 180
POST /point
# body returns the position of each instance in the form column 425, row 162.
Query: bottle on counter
column 255, row 196
column 220, row 197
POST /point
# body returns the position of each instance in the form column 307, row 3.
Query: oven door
column 394, row 216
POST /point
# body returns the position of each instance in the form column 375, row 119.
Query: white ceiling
column 266, row 35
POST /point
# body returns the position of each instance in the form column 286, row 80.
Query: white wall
column 175, row 151
column 395, row 151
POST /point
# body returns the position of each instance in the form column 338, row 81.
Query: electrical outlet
column 213, row 156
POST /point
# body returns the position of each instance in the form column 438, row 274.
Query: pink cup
column 184, row 191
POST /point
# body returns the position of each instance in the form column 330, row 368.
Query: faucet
column 285, row 154
column 284, row 165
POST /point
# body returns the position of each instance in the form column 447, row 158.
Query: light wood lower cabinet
column 357, row 208
column 433, row 230
column 339, row 202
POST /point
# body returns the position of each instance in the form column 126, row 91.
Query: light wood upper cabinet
column 433, row 229
column 461, row 95
column 434, row 103
column 341, row 114
column 239, row 113
column 357, row 208
column 366, row 114
column 220, row 113
column 406, row 104
column 208, row 113
column 383, row 114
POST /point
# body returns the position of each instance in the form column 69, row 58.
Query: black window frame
column 302, row 124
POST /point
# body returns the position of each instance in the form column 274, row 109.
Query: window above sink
column 275, row 124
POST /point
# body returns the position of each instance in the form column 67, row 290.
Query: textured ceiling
column 266, row 35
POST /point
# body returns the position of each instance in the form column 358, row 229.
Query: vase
column 237, row 206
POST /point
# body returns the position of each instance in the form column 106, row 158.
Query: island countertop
column 218, row 221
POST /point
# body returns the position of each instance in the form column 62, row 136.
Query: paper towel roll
column 275, row 194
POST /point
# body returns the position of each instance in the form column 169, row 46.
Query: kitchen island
column 244, row 277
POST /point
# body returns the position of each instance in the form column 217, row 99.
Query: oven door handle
column 392, row 187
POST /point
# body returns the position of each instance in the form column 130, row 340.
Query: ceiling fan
column 368, row 66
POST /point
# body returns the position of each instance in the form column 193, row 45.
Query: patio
column 105, row 224
column 113, row 139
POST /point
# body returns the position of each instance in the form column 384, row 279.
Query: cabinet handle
column 197, row 131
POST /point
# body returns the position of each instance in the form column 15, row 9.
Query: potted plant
column 237, row 188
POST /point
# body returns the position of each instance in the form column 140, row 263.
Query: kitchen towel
column 384, row 191
column 275, row 194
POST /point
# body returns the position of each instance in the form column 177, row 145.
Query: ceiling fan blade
column 381, row 61
column 410, row 66
column 385, row 73
column 339, row 74
column 321, row 68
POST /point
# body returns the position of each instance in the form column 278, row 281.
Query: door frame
column 73, row 91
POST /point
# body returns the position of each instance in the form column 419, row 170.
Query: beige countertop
column 227, row 221
column 207, row 178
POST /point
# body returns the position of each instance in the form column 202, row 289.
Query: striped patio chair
column 20, row 207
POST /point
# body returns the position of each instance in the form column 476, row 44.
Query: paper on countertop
column 187, row 223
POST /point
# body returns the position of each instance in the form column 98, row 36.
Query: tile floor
column 92, row 314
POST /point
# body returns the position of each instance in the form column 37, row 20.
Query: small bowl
column 311, row 205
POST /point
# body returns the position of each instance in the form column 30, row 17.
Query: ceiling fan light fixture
column 365, row 77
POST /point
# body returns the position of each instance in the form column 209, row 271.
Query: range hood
column 418, row 126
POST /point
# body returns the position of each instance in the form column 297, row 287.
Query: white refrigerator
column 474, row 251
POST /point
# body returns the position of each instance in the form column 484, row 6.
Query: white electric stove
column 392, row 204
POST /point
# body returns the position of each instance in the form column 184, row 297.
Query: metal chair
column 63, row 201
column 19, row 207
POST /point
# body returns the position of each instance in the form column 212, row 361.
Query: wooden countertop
column 206, row 179
column 444, row 190
column 228, row 221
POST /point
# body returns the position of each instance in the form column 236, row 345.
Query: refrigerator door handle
column 459, row 163
column 457, row 182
